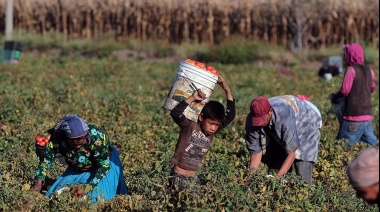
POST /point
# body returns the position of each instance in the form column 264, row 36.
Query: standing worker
column 363, row 175
column 357, row 86
column 283, row 130
column 195, row 138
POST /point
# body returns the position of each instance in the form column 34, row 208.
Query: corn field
column 292, row 23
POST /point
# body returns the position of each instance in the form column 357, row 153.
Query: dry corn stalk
column 325, row 23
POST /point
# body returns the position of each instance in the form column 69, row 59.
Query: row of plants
column 125, row 98
column 234, row 50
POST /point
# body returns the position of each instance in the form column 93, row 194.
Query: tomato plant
column 125, row 98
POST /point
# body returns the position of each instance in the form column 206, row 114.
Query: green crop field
column 126, row 99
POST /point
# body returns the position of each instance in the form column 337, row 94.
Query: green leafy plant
column 126, row 98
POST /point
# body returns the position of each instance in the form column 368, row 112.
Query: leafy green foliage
column 234, row 51
column 125, row 98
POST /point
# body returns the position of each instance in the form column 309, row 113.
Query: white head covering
column 363, row 170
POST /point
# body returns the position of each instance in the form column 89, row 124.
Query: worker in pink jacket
column 357, row 86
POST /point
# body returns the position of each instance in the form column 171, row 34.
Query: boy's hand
column 199, row 95
column 222, row 83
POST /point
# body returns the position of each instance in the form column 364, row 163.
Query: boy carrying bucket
column 195, row 137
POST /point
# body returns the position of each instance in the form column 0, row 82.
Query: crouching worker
column 363, row 174
column 91, row 160
column 195, row 137
column 282, row 131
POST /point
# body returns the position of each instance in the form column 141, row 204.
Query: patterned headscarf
column 363, row 170
column 71, row 126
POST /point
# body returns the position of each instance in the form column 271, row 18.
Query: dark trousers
column 275, row 157
column 180, row 182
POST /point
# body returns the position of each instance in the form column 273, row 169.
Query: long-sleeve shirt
column 95, row 152
column 346, row 89
column 294, row 125
column 193, row 145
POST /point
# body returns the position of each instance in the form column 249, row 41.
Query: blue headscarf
column 71, row 126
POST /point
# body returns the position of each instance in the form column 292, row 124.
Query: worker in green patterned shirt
column 91, row 160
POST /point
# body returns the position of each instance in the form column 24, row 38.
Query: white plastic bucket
column 186, row 81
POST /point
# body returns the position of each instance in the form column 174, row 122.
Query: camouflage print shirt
column 294, row 124
column 95, row 152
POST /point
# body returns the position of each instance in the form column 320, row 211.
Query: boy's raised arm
column 230, row 110
column 177, row 112
column 224, row 86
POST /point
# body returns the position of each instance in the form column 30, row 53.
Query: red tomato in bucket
column 190, row 61
column 200, row 65
column 212, row 70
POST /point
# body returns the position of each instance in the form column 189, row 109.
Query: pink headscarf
column 363, row 170
column 353, row 54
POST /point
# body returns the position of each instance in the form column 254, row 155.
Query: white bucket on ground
column 182, row 88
